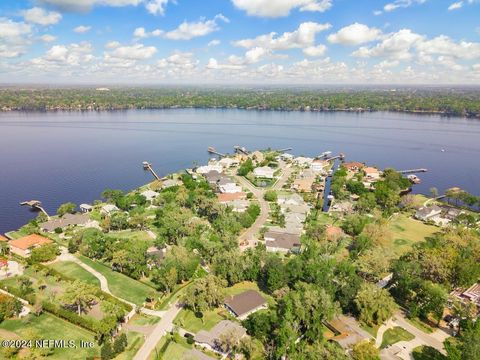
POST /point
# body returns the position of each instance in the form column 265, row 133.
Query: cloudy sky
column 240, row 41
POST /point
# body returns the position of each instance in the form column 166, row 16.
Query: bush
column 120, row 344
column 9, row 307
column 84, row 322
column 270, row 195
column 249, row 195
column 58, row 230
column 44, row 253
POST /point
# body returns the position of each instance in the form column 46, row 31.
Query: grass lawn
column 175, row 351
column 75, row 271
column 134, row 235
column 142, row 319
column 187, row 319
column 419, row 324
column 407, row 231
column 394, row 335
column 372, row 330
column 135, row 341
column 47, row 326
column 427, row 353
column 121, row 285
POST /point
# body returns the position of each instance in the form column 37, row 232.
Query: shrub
column 270, row 195
column 58, row 230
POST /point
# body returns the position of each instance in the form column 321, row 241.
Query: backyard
column 407, row 231
column 75, row 271
column 394, row 335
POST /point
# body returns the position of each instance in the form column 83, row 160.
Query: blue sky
column 240, row 41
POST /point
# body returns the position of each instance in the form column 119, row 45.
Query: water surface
column 70, row 156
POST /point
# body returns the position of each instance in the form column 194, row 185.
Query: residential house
column 244, row 304
column 293, row 199
column 228, row 162
column 108, row 209
column 353, row 166
column 257, row 156
column 428, row 212
column 66, row 220
column 303, row 185
column 343, row 207
column 155, row 256
column 170, row 183
column 303, row 161
column 228, row 197
column 471, row 295
column 371, row 173
column 207, row 168
column 347, row 331
column 23, row 246
column 85, row 208
column 210, row 340
column 149, row 194
column 239, row 206
column 264, row 172
column 281, row 242
column 286, row 157
column 319, row 165
column 227, row 185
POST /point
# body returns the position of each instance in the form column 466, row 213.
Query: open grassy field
column 187, row 319
column 47, row 326
column 121, row 285
column 175, row 351
column 134, row 235
column 407, row 231
column 394, row 335
column 135, row 341
column 75, row 271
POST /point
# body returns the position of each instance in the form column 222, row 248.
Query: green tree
column 79, row 294
column 66, row 208
column 205, row 293
column 374, row 305
column 47, row 252
column 365, row 350
column 120, row 343
column 270, row 195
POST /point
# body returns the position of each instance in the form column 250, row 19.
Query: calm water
column 59, row 157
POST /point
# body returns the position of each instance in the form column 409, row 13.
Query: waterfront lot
column 407, row 231
column 75, row 271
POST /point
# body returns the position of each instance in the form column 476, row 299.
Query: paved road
column 163, row 327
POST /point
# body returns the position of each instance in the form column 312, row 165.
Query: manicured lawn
column 394, row 335
column 135, row 341
column 407, row 231
column 134, row 235
column 175, row 351
column 419, row 324
column 142, row 319
column 187, row 319
column 427, row 353
column 75, row 271
column 372, row 330
column 47, row 326
column 121, row 285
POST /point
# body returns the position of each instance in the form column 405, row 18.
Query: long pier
column 36, row 205
column 241, row 149
column 413, row 171
column 212, row 150
column 340, row 156
column 148, row 166
column 284, row 150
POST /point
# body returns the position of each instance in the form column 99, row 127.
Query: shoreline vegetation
column 447, row 102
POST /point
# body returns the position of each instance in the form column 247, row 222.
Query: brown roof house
column 23, row 246
column 244, row 304
column 353, row 166
column 281, row 241
column 211, row 340
column 80, row 219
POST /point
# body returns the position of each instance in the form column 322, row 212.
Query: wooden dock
column 284, row 150
column 413, row 171
column 212, row 150
column 340, row 156
column 148, row 166
column 35, row 204
column 241, row 149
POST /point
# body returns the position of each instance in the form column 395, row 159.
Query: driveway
column 164, row 326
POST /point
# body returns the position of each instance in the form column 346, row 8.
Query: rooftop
column 245, row 302
column 29, row 241
column 282, row 240
column 223, row 327
column 227, row 197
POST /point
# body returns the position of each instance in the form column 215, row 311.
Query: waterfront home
column 108, row 209
column 244, row 304
column 303, row 185
column 371, row 173
column 428, row 212
column 212, row 177
column 227, row 197
column 149, row 194
column 353, row 166
column 257, row 156
column 230, row 188
column 85, row 208
column 24, row 245
column 281, row 241
column 319, row 165
column 301, row 208
column 228, row 162
column 207, row 168
column 210, row 340
column 66, row 220
column 170, row 183
column 286, row 157
column 342, row 207
column 264, row 172
column 303, row 161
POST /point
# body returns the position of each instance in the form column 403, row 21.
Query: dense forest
column 447, row 101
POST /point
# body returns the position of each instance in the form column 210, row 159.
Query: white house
column 108, row 209
column 371, row 173
column 207, row 168
column 318, row 165
column 85, row 208
column 426, row 213
column 230, row 188
column 303, row 161
column 264, row 172
column 149, row 194
column 228, row 162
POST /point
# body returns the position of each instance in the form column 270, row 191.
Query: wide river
column 73, row 156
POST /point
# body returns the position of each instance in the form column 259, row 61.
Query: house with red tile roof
column 24, row 245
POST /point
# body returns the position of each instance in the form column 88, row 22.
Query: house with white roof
column 149, row 194
column 207, row 168
column 108, row 209
column 264, row 172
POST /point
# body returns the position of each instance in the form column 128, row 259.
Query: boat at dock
column 414, row 179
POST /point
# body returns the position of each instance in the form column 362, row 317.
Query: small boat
column 325, row 154
column 414, row 179
column 211, row 149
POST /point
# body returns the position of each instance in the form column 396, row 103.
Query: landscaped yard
column 135, row 341
column 407, row 231
column 427, row 353
column 394, row 335
column 134, row 235
column 187, row 319
column 121, row 285
column 419, row 324
column 75, row 271
column 47, row 326
column 142, row 319
column 175, row 351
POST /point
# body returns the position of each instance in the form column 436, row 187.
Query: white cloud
column 140, row 33
column 14, row 37
column 179, row 61
column 355, row 34
column 214, row 65
column 214, row 42
column 65, row 55
column 82, row 29
column 455, row 5
column 40, row 16
column 401, row 4
column 277, row 8
column 48, row 38
column 303, row 37
column 315, row 51
column 156, row 7
column 394, row 46
column 190, row 30
column 132, row 52
column 443, row 45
